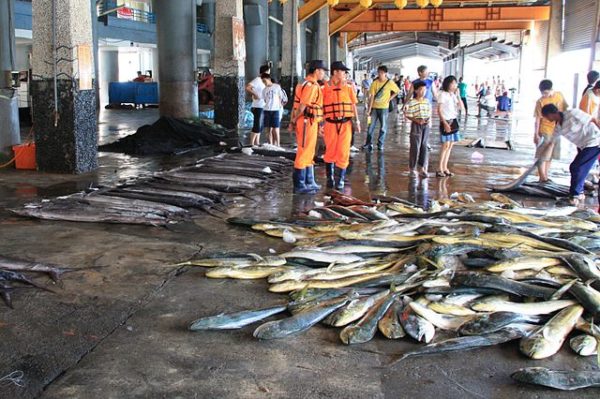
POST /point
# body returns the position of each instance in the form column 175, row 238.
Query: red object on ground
column 25, row 156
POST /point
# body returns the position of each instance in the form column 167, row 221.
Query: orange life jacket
column 338, row 101
column 313, row 110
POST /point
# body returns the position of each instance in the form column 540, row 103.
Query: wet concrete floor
column 119, row 331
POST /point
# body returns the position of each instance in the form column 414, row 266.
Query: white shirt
column 489, row 100
column 578, row 128
column 448, row 103
column 274, row 97
column 258, row 86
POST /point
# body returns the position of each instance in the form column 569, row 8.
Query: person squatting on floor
column 307, row 114
column 381, row 93
column 255, row 88
column 339, row 107
column 544, row 128
column 582, row 130
column 449, row 105
column 275, row 99
column 418, row 111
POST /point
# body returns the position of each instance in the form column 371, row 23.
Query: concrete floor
column 120, row 331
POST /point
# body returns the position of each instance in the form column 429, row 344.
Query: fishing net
column 171, row 136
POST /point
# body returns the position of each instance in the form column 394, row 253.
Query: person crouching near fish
column 339, row 107
column 306, row 117
column 582, row 130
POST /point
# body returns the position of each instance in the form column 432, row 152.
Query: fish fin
column 563, row 290
column 6, row 297
column 256, row 257
column 433, row 263
column 331, row 266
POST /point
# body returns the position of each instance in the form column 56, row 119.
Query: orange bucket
column 25, row 156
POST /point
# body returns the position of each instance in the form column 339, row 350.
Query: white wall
column 410, row 65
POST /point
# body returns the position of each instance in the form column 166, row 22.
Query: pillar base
column 71, row 146
column 230, row 101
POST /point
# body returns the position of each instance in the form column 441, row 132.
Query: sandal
column 448, row 173
column 423, row 174
column 440, row 174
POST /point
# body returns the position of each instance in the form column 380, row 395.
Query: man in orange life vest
column 339, row 107
column 306, row 116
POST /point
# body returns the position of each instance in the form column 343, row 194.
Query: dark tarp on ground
column 170, row 136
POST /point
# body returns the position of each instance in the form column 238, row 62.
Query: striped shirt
column 419, row 109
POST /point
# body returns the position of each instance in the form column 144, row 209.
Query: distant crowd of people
column 328, row 107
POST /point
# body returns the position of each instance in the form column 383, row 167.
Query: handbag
column 454, row 127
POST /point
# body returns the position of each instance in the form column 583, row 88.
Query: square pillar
column 291, row 55
column 230, row 97
column 63, row 93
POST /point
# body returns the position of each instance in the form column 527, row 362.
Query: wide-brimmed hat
column 339, row 66
column 317, row 64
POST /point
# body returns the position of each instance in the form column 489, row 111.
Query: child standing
column 275, row 99
column 418, row 111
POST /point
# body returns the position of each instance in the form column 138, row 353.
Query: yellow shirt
column 589, row 103
column 382, row 101
column 546, row 126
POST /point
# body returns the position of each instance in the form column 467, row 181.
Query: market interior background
column 118, row 328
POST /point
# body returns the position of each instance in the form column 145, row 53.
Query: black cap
column 339, row 66
column 317, row 64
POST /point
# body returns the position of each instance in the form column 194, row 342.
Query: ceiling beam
column 473, row 14
column 352, row 35
column 454, row 3
column 435, row 26
column 310, row 8
column 337, row 24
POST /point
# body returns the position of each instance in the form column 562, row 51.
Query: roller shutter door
column 580, row 23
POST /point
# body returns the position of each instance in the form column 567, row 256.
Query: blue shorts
column 272, row 119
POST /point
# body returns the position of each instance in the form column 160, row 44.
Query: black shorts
column 257, row 127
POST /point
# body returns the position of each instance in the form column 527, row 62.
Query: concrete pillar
column 64, row 98
column 256, row 29
column 275, row 11
column 176, row 39
column 323, row 52
column 554, row 40
column 229, row 73
column 339, row 53
column 9, row 111
column 108, row 61
column 291, row 57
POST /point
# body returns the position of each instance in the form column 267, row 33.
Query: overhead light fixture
column 436, row 3
column 333, row 3
column 422, row 3
column 400, row 3
column 366, row 3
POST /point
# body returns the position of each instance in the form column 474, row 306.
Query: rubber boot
column 299, row 182
column 310, row 178
column 329, row 169
column 340, row 175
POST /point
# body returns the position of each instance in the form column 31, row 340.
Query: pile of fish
column 17, row 274
column 458, row 276
column 165, row 197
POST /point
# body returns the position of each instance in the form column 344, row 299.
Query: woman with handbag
column 449, row 105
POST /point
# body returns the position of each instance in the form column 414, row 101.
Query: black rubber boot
column 340, row 175
column 329, row 169
column 311, row 184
